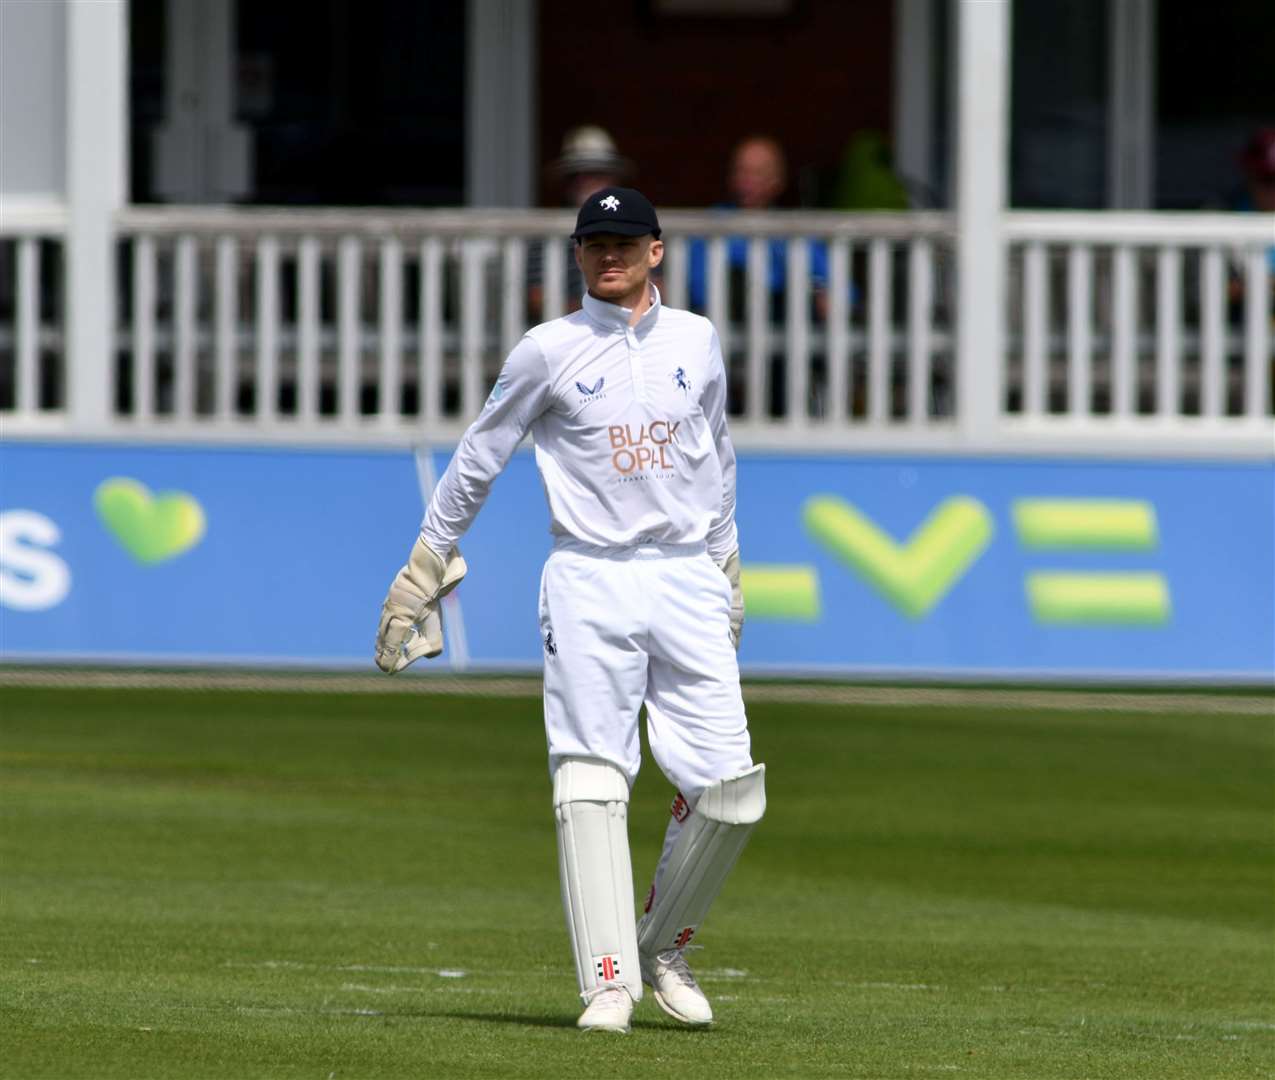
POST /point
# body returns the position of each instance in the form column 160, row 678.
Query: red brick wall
column 678, row 93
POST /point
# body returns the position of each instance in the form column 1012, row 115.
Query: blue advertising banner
column 852, row 565
column 181, row 554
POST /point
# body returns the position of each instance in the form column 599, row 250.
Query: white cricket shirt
column 629, row 425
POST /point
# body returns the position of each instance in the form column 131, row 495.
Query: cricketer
column 640, row 602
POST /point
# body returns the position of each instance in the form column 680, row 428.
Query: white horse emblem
column 610, row 203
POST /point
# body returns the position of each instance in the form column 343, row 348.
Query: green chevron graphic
column 915, row 575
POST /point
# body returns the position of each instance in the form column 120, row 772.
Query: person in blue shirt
column 757, row 178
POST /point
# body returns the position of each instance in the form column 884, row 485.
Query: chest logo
column 609, row 203
column 681, row 381
column 648, row 451
column 589, row 391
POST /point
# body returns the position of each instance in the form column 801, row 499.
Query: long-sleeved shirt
column 629, row 425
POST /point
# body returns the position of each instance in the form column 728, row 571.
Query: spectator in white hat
column 589, row 162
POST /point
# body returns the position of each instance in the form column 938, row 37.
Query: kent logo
column 648, row 449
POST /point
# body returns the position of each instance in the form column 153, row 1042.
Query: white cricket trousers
column 649, row 624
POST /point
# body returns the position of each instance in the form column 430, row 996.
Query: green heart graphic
column 913, row 576
column 149, row 527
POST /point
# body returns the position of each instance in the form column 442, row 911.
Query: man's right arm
column 411, row 625
column 520, row 395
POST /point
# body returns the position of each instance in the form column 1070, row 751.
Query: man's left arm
column 723, row 536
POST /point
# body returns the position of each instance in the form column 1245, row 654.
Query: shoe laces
column 608, row 994
column 675, row 961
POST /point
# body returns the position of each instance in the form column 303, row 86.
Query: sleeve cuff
column 721, row 546
column 437, row 544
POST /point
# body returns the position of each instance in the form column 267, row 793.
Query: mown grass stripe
column 759, row 692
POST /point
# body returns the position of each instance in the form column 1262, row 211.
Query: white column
column 201, row 155
column 1131, row 105
column 914, row 95
column 96, row 187
column 500, row 103
column 981, row 164
column 32, row 104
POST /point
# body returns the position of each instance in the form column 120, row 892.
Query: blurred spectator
column 758, row 173
column 589, row 161
column 1257, row 162
column 757, row 179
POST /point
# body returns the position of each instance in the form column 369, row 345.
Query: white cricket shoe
column 609, row 1010
column 676, row 990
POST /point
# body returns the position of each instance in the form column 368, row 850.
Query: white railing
column 32, row 314
column 1123, row 330
column 1146, row 324
column 390, row 323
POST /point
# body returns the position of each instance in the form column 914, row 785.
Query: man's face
column 617, row 268
column 756, row 175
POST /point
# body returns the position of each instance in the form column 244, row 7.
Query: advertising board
column 853, row 565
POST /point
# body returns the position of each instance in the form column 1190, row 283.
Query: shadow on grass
column 535, row 1020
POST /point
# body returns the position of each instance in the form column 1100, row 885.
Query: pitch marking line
column 755, row 693
column 297, row 965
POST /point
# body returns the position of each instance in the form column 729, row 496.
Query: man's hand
column 411, row 626
column 731, row 569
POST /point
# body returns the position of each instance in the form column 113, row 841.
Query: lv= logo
column 914, row 575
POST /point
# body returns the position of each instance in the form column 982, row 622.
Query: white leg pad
column 705, row 851
column 590, row 801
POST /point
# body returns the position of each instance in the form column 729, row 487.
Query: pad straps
column 705, row 851
column 590, row 799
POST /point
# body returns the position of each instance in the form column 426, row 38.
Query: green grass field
column 230, row 884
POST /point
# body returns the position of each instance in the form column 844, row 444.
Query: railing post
column 981, row 158
column 96, row 186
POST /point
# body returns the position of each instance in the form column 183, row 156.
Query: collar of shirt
column 614, row 317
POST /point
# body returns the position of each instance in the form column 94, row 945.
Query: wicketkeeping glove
column 411, row 626
column 731, row 569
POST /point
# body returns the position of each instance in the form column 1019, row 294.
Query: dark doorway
column 348, row 102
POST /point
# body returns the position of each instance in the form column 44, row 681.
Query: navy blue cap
column 618, row 210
